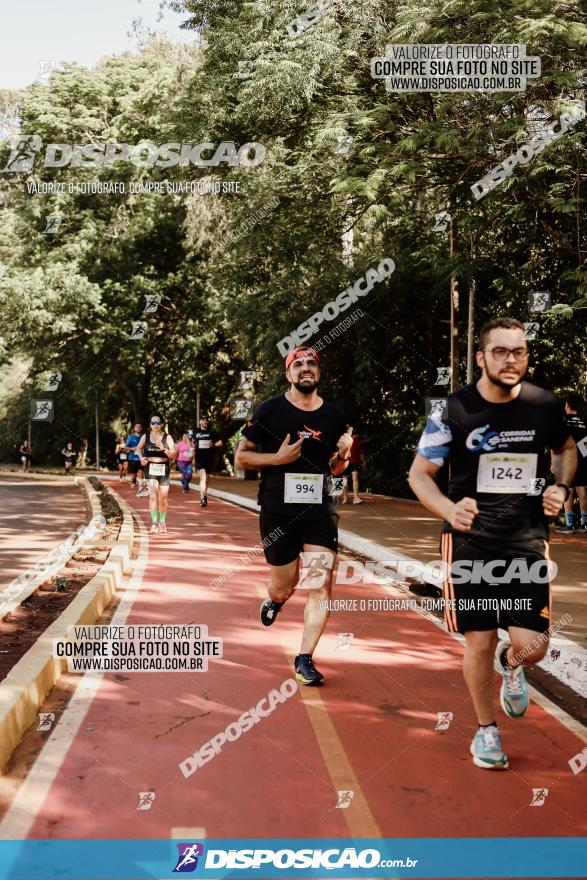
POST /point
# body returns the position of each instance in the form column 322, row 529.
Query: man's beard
column 306, row 388
column 501, row 383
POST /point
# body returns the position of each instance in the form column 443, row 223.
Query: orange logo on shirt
column 309, row 434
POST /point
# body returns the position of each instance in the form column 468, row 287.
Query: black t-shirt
column 497, row 454
column 578, row 431
column 320, row 428
column 205, row 441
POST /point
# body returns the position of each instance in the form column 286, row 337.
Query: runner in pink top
column 185, row 454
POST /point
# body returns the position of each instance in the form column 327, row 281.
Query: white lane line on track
column 31, row 794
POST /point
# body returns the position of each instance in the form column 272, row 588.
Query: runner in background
column 494, row 434
column 206, row 439
column 304, row 442
column 157, row 450
column 573, row 405
column 185, row 454
column 25, row 453
column 121, row 457
column 134, row 461
column 69, row 456
column 356, row 462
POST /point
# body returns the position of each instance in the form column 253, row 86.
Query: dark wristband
column 568, row 489
column 338, row 455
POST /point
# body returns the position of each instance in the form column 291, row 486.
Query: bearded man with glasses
column 494, row 543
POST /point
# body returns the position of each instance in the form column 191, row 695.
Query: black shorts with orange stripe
column 490, row 585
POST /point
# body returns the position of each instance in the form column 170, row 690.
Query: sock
column 569, row 519
column 483, row 726
column 154, row 517
column 503, row 659
column 162, row 517
column 584, row 518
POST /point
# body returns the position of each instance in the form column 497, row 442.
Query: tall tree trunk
column 454, row 309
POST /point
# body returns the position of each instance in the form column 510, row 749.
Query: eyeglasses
column 502, row 354
column 155, row 421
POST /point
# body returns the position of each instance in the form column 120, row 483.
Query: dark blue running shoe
column 306, row 672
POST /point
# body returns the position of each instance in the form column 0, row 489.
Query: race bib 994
column 303, row 488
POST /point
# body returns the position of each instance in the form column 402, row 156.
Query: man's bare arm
column 425, row 488
column 564, row 462
column 564, row 466
column 460, row 515
column 248, row 459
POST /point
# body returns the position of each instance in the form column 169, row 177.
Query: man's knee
column 321, row 594
column 283, row 581
column 481, row 644
column 281, row 591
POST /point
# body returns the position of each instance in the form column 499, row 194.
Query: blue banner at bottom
column 528, row 857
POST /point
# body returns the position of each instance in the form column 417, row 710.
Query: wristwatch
column 338, row 455
column 568, row 489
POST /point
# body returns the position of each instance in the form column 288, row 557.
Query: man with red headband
column 304, row 444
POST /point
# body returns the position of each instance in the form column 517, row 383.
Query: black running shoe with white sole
column 269, row 611
column 306, row 672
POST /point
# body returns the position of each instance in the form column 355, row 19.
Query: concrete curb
column 37, row 475
column 25, row 687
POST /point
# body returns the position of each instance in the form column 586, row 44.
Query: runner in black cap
column 205, row 439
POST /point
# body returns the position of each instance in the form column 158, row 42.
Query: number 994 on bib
column 303, row 488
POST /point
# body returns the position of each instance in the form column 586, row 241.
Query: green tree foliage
column 239, row 271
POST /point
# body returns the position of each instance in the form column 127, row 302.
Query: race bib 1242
column 507, row 472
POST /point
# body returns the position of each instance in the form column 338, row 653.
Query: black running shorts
column 134, row 465
column 513, row 591
column 282, row 547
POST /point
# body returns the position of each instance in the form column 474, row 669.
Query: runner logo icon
column 187, row 860
column 24, row 149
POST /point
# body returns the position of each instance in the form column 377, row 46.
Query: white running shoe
column 487, row 751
